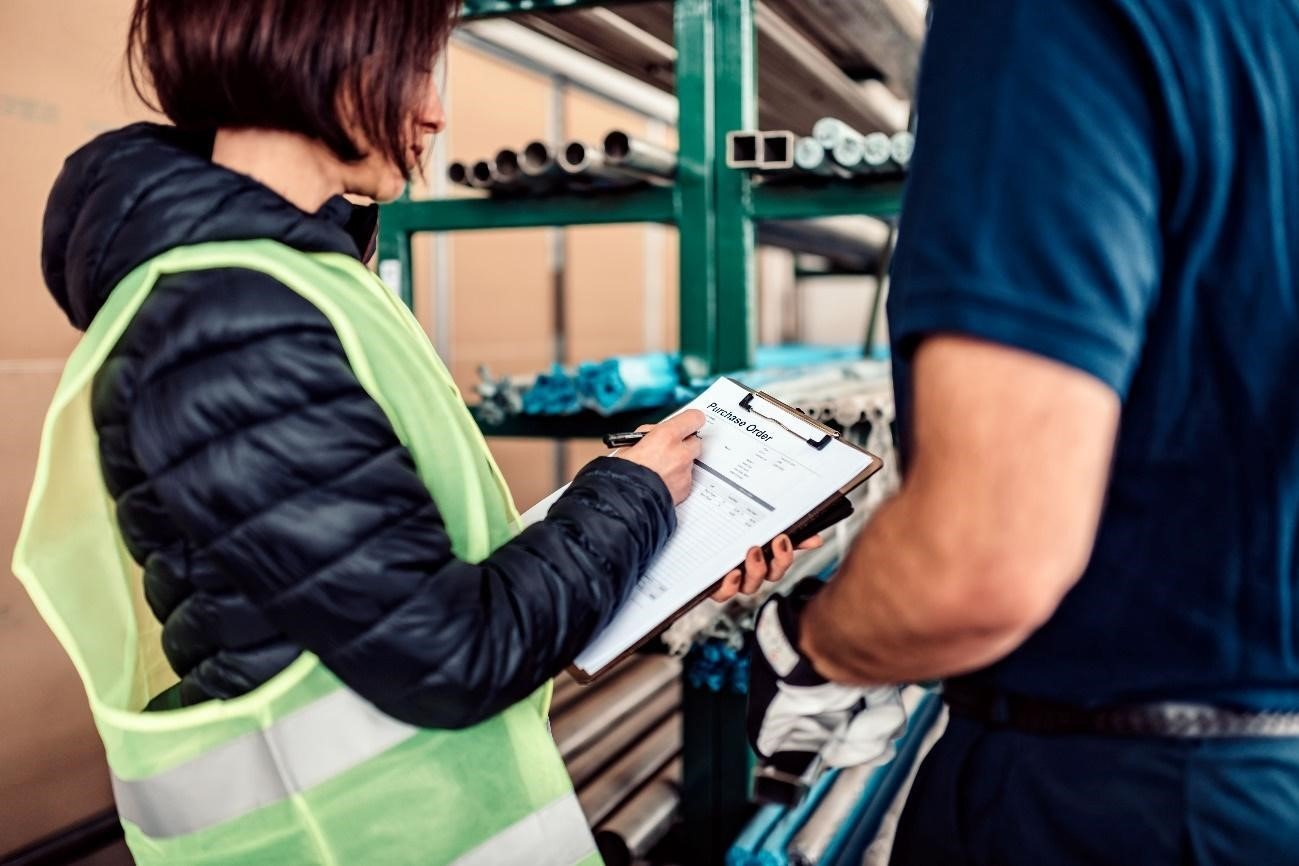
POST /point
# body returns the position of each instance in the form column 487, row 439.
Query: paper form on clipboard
column 762, row 469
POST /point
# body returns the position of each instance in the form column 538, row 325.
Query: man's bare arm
column 993, row 525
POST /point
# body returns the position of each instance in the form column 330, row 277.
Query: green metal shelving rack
column 714, row 209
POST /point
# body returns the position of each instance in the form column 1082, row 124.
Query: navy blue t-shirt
column 1114, row 184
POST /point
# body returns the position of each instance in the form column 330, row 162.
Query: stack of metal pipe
column 622, row 161
column 541, row 167
column 797, row 81
column 835, row 149
column 620, row 738
column 863, row 37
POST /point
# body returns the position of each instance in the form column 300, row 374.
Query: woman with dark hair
column 264, row 525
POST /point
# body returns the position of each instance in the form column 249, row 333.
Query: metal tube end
column 617, row 145
column 831, row 130
column 809, row 154
column 776, row 150
column 537, row 158
column 848, row 152
column 742, row 149
column 902, row 144
column 575, row 157
column 507, row 164
column 480, row 175
column 877, row 150
column 457, row 173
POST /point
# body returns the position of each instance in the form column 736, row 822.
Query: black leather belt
column 1164, row 719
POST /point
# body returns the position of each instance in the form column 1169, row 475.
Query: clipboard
column 832, row 510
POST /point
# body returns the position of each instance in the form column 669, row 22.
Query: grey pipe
column 811, row 156
column 877, row 150
column 620, row 736
column 494, row 175
column 831, row 130
column 878, row 35
column 458, row 173
column 640, row 682
column 623, row 151
column 633, row 831
column 797, row 83
column 863, row 154
column 587, row 165
column 842, row 248
column 609, row 790
column 848, row 153
column 505, row 167
column 811, row 843
column 576, row 157
column 538, row 160
column 480, row 175
column 903, row 144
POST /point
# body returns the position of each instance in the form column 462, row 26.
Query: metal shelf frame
column 714, row 209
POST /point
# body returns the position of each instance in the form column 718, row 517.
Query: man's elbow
column 1004, row 598
column 963, row 610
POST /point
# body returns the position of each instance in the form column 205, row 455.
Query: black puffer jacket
column 266, row 494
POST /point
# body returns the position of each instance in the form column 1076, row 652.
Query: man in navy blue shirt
column 1095, row 316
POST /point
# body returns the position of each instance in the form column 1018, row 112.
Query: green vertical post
column 735, row 108
column 394, row 251
column 715, row 92
column 695, row 191
column 717, row 768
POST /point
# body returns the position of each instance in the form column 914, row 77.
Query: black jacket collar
column 136, row 192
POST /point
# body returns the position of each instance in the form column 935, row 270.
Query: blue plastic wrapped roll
column 744, row 851
column 797, row 355
column 740, row 675
column 775, row 848
column 655, row 380
column 553, row 393
column 629, row 382
column 716, row 665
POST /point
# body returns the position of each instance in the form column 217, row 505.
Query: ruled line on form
column 711, row 471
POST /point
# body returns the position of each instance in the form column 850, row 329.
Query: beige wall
column 60, row 83
column 502, row 282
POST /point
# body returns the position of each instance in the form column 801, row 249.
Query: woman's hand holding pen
column 670, row 449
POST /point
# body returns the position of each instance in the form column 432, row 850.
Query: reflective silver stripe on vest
column 554, row 835
column 311, row 745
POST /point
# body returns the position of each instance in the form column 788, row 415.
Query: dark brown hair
column 315, row 67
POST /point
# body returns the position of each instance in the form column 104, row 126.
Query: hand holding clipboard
column 742, row 578
column 765, row 469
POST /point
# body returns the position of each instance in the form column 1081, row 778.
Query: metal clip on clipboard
column 819, row 444
column 831, row 512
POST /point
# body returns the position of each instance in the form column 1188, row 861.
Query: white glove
column 796, row 714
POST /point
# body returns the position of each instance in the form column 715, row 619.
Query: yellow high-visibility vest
column 301, row 770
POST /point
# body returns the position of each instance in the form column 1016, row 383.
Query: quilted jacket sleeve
column 269, row 455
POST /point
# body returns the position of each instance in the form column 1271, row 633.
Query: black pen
column 624, row 440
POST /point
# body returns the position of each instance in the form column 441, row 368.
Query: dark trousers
column 996, row 797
